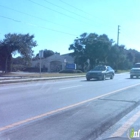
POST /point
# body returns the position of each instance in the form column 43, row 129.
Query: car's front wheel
column 131, row 76
column 104, row 77
column 112, row 76
column 88, row 79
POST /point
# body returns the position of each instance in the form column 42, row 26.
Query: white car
column 135, row 71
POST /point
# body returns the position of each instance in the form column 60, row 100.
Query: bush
column 78, row 71
column 66, row 71
column 31, row 69
column 17, row 67
column 70, row 71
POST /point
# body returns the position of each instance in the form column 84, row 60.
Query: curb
column 105, row 125
column 39, row 79
column 110, row 122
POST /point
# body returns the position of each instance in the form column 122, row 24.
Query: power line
column 38, row 26
column 34, row 25
column 74, row 7
column 55, row 11
column 67, row 10
column 30, row 15
column 61, row 13
column 34, row 16
column 78, row 9
column 10, row 18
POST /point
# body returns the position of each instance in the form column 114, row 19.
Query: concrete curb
column 38, row 79
column 6, row 81
column 110, row 122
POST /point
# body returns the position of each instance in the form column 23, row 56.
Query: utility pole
column 118, row 35
column 40, row 66
column 41, row 55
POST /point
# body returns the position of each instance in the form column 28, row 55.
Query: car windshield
column 137, row 66
column 99, row 68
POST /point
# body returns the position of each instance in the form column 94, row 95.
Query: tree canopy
column 46, row 53
column 15, row 43
column 99, row 49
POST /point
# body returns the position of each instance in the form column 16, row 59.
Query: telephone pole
column 118, row 35
column 41, row 55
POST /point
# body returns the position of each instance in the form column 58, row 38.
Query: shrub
column 17, row 67
column 78, row 71
column 70, row 71
column 32, row 69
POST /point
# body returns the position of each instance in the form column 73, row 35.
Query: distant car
column 135, row 71
column 100, row 72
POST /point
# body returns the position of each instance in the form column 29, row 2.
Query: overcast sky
column 56, row 23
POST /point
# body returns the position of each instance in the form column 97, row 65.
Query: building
column 54, row 63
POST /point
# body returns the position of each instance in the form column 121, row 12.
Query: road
column 123, row 127
column 65, row 109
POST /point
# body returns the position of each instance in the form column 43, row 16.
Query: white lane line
column 70, row 87
column 126, row 126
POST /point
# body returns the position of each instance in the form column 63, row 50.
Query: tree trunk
column 9, row 63
column 6, row 64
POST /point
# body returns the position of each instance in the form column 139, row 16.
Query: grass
column 122, row 71
column 36, row 75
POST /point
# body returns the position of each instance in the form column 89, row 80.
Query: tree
column 99, row 49
column 93, row 47
column 15, row 43
column 117, row 56
column 47, row 53
column 79, row 51
column 133, row 56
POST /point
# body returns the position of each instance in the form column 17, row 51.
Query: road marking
column 70, row 87
column 126, row 125
column 62, row 109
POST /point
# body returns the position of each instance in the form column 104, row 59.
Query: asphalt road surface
column 123, row 128
column 73, row 109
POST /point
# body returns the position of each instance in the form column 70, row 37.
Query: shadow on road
column 133, row 78
column 89, row 81
column 93, row 80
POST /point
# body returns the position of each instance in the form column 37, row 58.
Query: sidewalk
column 16, row 79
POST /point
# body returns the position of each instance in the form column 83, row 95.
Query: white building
column 55, row 62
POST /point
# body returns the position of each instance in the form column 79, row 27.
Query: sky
column 56, row 23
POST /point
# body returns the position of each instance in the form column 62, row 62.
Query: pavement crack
column 118, row 100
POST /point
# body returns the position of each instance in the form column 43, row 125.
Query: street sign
column 70, row 66
column 41, row 54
